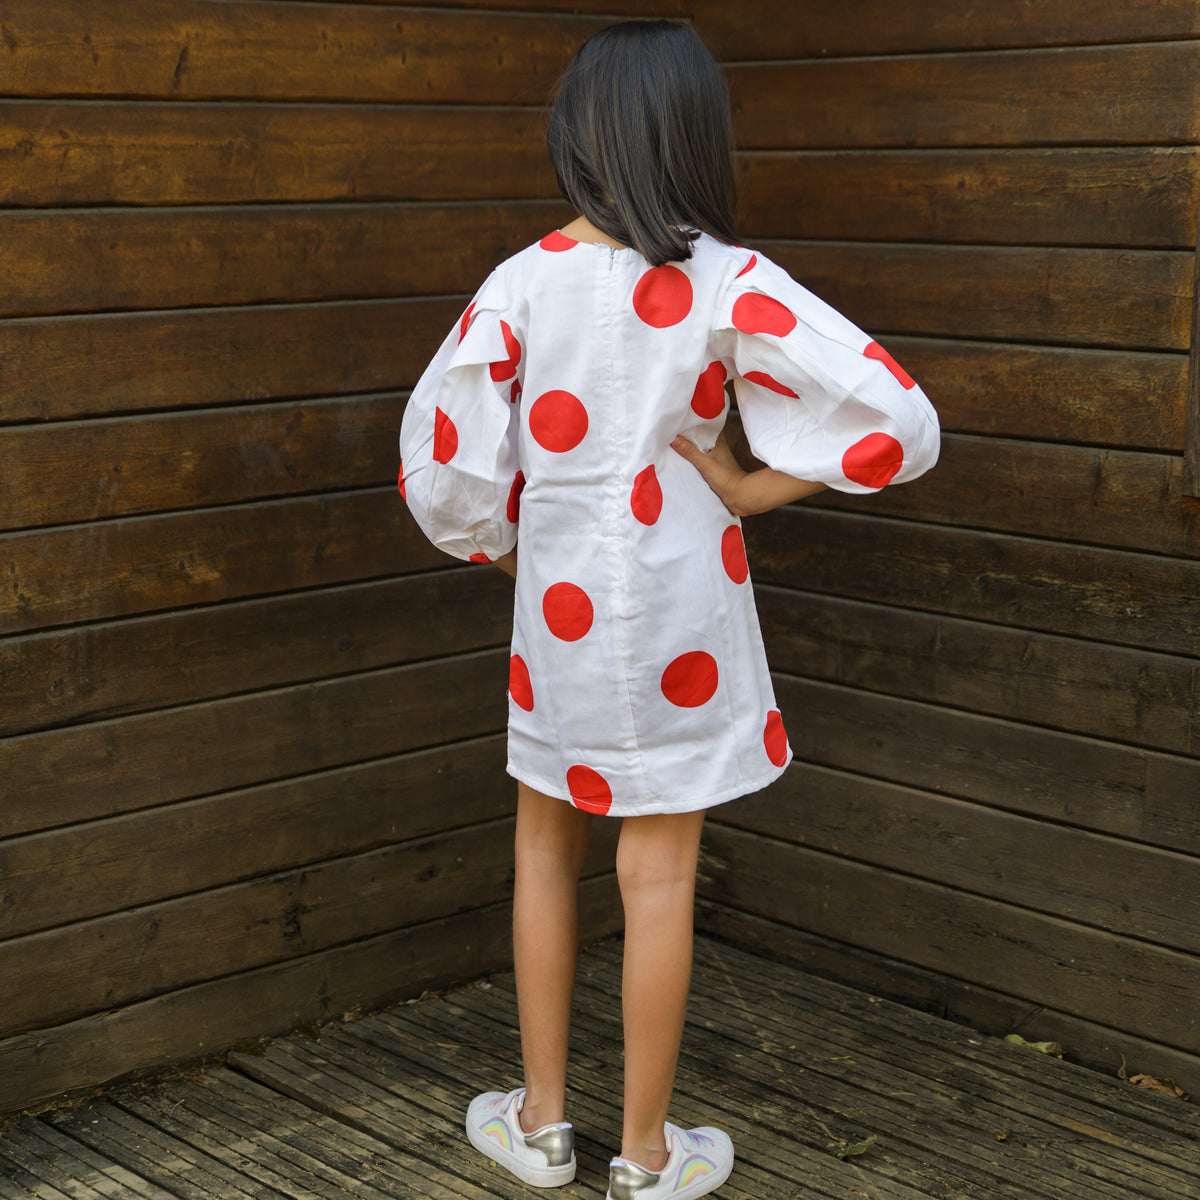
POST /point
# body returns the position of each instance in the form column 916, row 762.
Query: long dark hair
column 641, row 142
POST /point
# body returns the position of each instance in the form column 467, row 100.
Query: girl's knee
column 658, row 851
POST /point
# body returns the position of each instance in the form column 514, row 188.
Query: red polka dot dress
column 637, row 680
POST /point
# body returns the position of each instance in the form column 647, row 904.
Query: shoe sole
column 535, row 1176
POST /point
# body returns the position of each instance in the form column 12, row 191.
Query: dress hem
column 656, row 807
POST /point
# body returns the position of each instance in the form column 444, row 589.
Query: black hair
column 641, row 142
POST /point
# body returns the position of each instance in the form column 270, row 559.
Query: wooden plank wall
column 991, row 677
column 251, row 752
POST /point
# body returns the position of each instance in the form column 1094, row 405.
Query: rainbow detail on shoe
column 692, row 1168
column 498, row 1131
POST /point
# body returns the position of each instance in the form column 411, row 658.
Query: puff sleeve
column 458, row 438
column 819, row 399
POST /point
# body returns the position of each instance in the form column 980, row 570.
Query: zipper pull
column 612, row 253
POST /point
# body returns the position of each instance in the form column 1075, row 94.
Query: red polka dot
column 480, row 558
column 663, row 296
column 756, row 313
column 875, row 350
column 873, row 461
column 708, row 400
column 513, row 512
column 515, row 394
column 465, row 323
column 557, row 242
column 519, row 687
column 400, row 483
column 733, row 555
column 445, row 437
column 765, row 380
column 558, row 421
column 748, row 267
column 589, row 790
column 775, row 738
column 567, row 610
column 646, row 499
column 507, row 368
column 690, row 680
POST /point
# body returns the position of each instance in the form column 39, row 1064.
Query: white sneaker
column 698, row 1162
column 544, row 1158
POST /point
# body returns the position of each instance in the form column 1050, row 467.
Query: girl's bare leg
column 656, row 867
column 552, row 838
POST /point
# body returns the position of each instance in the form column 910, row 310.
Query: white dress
column 638, row 682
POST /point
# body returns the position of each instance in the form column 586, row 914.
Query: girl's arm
column 743, row 492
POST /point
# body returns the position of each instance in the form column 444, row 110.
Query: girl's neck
column 582, row 230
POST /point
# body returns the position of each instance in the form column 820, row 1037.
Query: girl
column 581, row 399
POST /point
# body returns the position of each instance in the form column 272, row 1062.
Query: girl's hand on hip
column 743, row 492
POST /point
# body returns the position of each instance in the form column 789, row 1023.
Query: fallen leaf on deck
column 1167, row 1087
column 846, row 1150
column 1052, row 1048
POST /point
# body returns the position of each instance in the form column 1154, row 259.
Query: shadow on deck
column 790, row 1065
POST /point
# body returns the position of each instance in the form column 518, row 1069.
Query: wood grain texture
column 1114, row 980
column 1134, row 299
column 1068, row 493
column 75, row 873
column 1052, row 394
column 161, row 154
column 1191, row 481
column 1126, row 791
column 92, row 470
column 980, row 850
column 135, row 565
column 1141, row 196
column 981, row 1009
column 62, row 368
column 1115, row 596
column 826, row 28
column 111, row 668
column 1112, row 692
column 985, row 98
column 189, row 50
column 212, row 1016
column 121, row 259
column 135, row 954
column 119, row 766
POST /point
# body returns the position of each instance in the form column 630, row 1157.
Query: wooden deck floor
column 789, row 1064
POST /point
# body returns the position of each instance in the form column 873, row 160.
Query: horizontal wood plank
column 1069, row 493
column 1124, row 791
column 989, row 98
column 63, row 154
column 984, row 1010
column 78, row 872
column 110, row 767
column 1108, row 595
column 1141, row 196
column 1132, row 299
column 1114, row 980
column 93, row 470
column 60, row 368
column 1048, row 868
column 136, row 954
column 162, row 258
column 824, row 28
column 212, row 1016
column 110, row 668
column 1097, row 690
column 1052, row 393
column 189, row 50
column 106, row 569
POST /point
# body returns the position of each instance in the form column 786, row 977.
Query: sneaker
column 544, row 1158
column 698, row 1162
